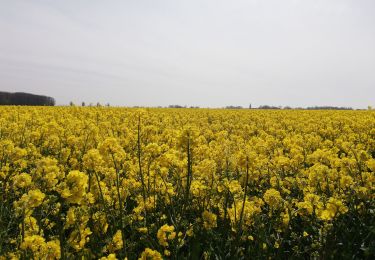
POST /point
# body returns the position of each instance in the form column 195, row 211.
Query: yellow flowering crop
column 121, row 183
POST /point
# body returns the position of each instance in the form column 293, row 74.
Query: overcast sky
column 209, row 53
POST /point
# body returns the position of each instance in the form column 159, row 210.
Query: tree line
column 25, row 99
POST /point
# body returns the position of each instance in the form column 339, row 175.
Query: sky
column 208, row 53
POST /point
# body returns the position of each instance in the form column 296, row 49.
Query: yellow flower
column 33, row 199
column 165, row 233
column 116, row 243
column 149, row 254
column 310, row 204
column 209, row 220
column 22, row 180
column 190, row 231
column 48, row 171
column 40, row 249
column 101, row 225
column 74, row 187
column 31, row 226
column 33, row 243
column 78, row 238
column 51, row 250
column 92, row 160
column 109, row 257
column 333, row 209
column 273, row 198
column 251, row 208
column 143, row 230
column 285, row 218
column 70, row 217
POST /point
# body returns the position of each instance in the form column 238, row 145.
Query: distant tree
column 250, row 106
column 98, row 104
column 83, row 104
column 108, row 105
column 369, row 107
column 71, row 104
column 268, row 107
column 233, row 107
column 25, row 99
column 328, row 108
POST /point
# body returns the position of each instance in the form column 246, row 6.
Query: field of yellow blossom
column 117, row 183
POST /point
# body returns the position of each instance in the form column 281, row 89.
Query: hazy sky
column 193, row 52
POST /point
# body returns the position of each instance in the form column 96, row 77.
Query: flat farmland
column 115, row 183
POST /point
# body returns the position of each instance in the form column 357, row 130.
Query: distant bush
column 329, row 108
column 268, row 107
column 176, row 106
column 25, row 99
column 233, row 107
column 307, row 108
